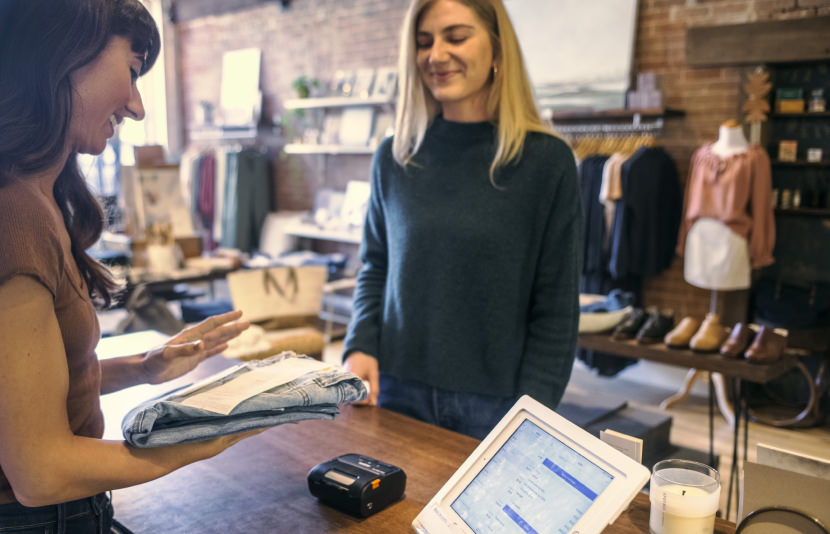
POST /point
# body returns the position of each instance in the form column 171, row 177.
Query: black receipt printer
column 357, row 484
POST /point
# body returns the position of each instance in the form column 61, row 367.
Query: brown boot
column 738, row 341
column 680, row 336
column 767, row 346
column 709, row 336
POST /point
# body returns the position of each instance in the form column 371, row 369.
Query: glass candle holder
column 685, row 496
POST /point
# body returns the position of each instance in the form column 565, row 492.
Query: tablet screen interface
column 534, row 484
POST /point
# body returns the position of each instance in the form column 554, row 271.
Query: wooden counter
column 259, row 485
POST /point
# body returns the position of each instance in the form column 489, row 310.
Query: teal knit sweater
column 466, row 286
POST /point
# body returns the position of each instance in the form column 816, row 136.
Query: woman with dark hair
column 468, row 296
column 68, row 71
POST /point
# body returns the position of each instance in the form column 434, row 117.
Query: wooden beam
column 777, row 41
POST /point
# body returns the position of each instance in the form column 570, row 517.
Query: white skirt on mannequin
column 716, row 257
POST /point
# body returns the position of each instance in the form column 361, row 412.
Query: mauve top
column 34, row 242
column 736, row 191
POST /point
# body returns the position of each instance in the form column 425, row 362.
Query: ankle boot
column 656, row 326
column 630, row 326
column 709, row 336
column 680, row 336
column 767, row 346
column 739, row 340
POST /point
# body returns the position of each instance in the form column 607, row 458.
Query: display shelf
column 610, row 114
column 303, row 148
column 806, row 114
column 312, row 231
column 800, row 163
column 221, row 133
column 336, row 102
column 810, row 212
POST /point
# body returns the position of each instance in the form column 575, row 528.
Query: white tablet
column 535, row 473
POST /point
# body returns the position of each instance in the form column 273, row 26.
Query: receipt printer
column 357, row 484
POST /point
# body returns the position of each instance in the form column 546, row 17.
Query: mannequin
column 716, row 257
column 731, row 140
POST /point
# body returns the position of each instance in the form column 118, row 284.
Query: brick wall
column 317, row 37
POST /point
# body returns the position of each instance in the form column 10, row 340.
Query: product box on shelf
column 787, row 150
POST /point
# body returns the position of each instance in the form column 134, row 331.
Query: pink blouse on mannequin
column 737, row 191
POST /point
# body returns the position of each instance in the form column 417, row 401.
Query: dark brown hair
column 42, row 42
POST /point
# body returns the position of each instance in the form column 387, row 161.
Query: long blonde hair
column 510, row 104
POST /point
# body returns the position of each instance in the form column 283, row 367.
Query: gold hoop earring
column 495, row 69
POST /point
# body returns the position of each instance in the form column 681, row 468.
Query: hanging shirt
column 736, row 191
column 610, row 191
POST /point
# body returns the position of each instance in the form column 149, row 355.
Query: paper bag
column 278, row 291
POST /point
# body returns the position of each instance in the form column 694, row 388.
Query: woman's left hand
column 191, row 346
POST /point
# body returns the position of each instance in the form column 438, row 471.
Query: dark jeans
column 468, row 413
column 92, row 515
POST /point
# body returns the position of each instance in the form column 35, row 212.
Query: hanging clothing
column 206, row 199
column 610, row 191
column 736, row 191
column 647, row 217
column 596, row 279
column 247, row 199
column 590, row 182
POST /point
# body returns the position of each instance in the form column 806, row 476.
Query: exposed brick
column 317, row 37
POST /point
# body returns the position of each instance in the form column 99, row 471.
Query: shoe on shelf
column 767, row 346
column 630, row 326
column 738, row 340
column 709, row 336
column 656, row 326
column 681, row 334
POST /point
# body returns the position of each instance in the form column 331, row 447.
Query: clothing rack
column 636, row 127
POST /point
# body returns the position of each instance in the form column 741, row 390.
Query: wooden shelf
column 800, row 163
column 615, row 114
column 738, row 368
column 336, row 102
column 301, row 148
column 810, row 114
column 808, row 212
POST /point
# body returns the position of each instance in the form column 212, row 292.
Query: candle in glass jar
column 684, row 498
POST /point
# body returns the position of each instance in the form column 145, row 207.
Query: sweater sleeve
column 762, row 234
column 554, row 309
column 364, row 328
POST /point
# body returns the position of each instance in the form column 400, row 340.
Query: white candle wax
column 683, row 509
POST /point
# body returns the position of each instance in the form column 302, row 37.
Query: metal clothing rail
column 635, row 127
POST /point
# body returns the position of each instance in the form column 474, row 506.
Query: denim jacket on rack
column 167, row 420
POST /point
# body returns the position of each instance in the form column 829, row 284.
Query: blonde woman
column 468, row 295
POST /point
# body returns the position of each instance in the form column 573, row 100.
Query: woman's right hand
column 365, row 367
column 202, row 450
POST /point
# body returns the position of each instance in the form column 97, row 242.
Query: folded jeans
column 167, row 420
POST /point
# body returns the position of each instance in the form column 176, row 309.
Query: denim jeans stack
column 172, row 419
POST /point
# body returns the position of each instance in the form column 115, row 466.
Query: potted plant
column 304, row 84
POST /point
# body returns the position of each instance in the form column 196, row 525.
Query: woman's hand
column 365, row 367
column 191, row 346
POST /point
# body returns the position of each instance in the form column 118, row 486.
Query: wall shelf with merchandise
column 797, row 137
column 341, row 125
